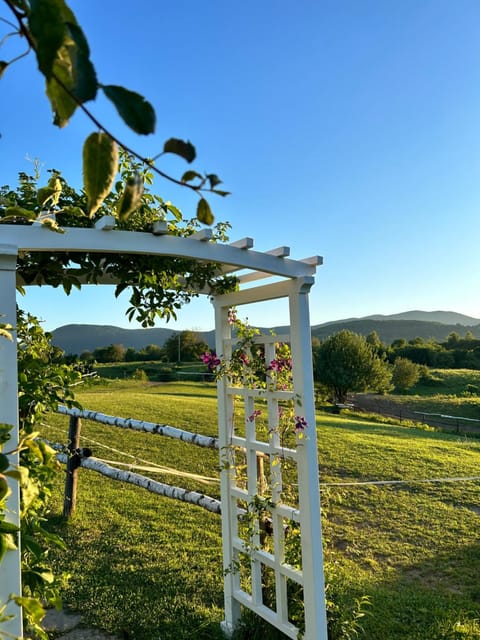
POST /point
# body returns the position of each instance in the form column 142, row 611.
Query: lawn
column 152, row 567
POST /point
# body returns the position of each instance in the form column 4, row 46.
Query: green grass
column 447, row 382
column 152, row 566
column 155, row 371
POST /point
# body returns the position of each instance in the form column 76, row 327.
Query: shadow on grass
column 141, row 589
column 438, row 599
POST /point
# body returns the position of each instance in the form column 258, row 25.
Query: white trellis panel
column 246, row 560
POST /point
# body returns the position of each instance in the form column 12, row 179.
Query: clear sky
column 344, row 128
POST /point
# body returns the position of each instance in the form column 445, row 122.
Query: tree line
column 184, row 346
column 348, row 362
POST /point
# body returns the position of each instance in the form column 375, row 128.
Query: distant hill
column 445, row 317
column 76, row 338
column 390, row 330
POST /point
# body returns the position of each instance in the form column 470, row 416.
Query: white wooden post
column 10, row 568
column 225, row 426
column 309, row 491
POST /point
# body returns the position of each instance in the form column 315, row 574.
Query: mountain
column 390, row 330
column 76, row 338
column 445, row 317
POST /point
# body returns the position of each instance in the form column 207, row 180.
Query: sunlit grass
column 152, row 566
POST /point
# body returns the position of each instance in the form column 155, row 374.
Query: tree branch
column 23, row 29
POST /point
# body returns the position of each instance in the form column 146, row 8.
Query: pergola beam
column 38, row 238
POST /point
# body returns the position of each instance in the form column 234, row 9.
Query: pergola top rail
column 104, row 239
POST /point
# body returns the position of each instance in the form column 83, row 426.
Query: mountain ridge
column 77, row 338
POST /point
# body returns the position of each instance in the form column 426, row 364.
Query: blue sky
column 348, row 129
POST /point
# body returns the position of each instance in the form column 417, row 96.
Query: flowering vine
column 248, row 367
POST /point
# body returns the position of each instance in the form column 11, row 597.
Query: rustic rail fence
column 441, row 421
column 75, row 457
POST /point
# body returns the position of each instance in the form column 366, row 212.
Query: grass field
column 152, row 566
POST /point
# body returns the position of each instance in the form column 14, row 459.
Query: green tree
column 153, row 352
column 373, row 339
column 453, row 339
column 345, row 362
column 184, row 347
column 112, row 353
column 405, row 374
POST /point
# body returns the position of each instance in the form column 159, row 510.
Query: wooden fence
column 75, row 457
column 441, row 421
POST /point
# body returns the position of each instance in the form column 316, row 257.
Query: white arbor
column 279, row 277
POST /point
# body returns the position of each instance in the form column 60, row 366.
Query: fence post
column 71, row 477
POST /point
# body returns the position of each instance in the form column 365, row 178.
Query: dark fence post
column 73, row 461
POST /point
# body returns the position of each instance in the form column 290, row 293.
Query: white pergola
column 262, row 276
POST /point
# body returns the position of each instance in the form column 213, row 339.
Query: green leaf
column 182, row 148
column 4, row 462
column 78, row 37
column 213, row 180
column 84, row 83
column 77, row 75
column 47, row 26
column 221, row 193
column 32, row 606
column 175, row 210
column 190, row 175
column 100, row 163
column 7, row 527
column 3, row 66
column 131, row 197
column 204, row 213
column 134, row 110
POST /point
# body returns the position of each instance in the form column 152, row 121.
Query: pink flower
column 243, row 358
column 280, row 364
column 210, row 359
column 254, row 415
column 232, row 316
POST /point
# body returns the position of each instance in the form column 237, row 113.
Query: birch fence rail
column 74, row 457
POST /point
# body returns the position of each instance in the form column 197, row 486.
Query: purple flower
column 300, row 423
column 232, row 316
column 280, row 364
column 210, row 359
column 254, row 415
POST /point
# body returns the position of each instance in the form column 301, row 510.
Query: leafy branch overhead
column 159, row 286
column 63, row 55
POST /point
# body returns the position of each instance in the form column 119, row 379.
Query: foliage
column 184, row 347
column 159, row 285
column 50, row 30
column 405, row 374
column 43, row 384
column 453, row 353
column 345, row 362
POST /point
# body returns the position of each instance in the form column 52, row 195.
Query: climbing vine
column 159, row 285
